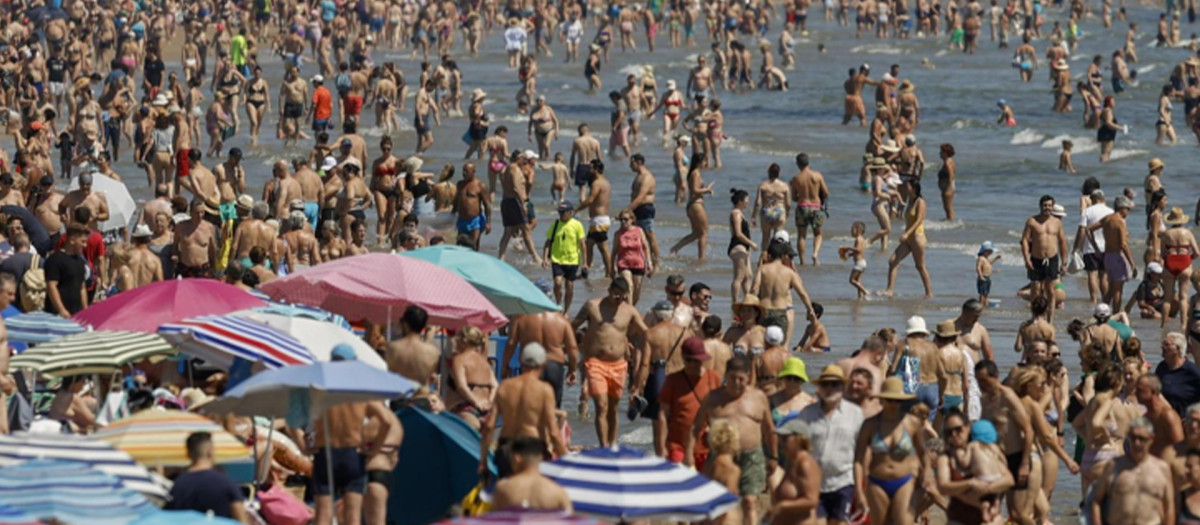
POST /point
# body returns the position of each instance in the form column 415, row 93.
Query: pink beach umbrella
column 145, row 308
column 379, row 286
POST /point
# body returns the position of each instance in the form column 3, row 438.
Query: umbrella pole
column 389, row 325
column 329, row 463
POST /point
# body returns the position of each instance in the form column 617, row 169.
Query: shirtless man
column 854, row 88
column 974, row 337
column 1003, row 408
column 871, row 357
column 84, row 197
column 610, row 321
column 410, row 355
column 599, row 222
column 1135, row 488
column 718, row 350
column 473, row 206
column 773, row 284
column 303, row 250
column 349, row 451
column 1118, row 259
column 641, row 201
column 699, row 79
column 231, row 182
column 632, row 94
column 747, row 407
column 202, row 184
column 526, row 405
column 310, row 190
column 196, row 244
column 810, row 193
column 1037, row 327
column 1043, row 244
column 144, row 265
column 663, row 357
column 293, row 94
column 9, row 194
column 1168, row 427
column 514, row 206
column 45, row 206
column 254, row 232
column 584, row 149
column 527, row 488
column 286, row 189
column 772, row 203
column 553, row 331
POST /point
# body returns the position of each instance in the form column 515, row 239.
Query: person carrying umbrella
column 526, row 404
column 349, row 452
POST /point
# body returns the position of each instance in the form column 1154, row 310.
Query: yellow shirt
column 564, row 242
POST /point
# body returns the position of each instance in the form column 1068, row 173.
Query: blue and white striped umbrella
column 627, row 484
column 40, row 327
column 14, row 516
column 70, row 492
column 94, row 453
column 219, row 339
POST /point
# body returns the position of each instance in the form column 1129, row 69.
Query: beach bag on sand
column 33, row 286
column 280, row 507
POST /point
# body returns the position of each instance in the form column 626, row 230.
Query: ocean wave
column 1027, row 136
column 510, row 118
column 637, row 436
column 964, row 123
column 944, row 225
column 1010, row 253
column 1121, row 153
column 1083, row 144
column 1146, row 69
column 942, row 53
column 878, row 49
column 730, row 143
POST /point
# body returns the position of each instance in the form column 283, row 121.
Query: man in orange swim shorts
column 605, row 344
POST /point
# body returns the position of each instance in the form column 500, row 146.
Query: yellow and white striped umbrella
column 158, row 437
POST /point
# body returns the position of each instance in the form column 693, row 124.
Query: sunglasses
column 675, row 293
column 954, row 430
column 706, row 297
column 829, row 384
column 793, row 379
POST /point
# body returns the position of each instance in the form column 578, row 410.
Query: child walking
column 858, row 252
column 983, row 270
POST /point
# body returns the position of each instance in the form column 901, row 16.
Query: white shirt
column 833, row 438
column 1093, row 214
column 974, row 395
column 514, row 38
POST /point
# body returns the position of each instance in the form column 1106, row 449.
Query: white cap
column 1154, row 268
column 1102, row 310
column 328, row 164
column 529, row 154
column 318, row 79
column 533, row 355
column 774, row 335
column 781, row 235
column 141, row 231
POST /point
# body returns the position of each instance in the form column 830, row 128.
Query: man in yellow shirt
column 563, row 253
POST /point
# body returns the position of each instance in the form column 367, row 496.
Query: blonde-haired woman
column 1029, row 383
column 724, row 444
column 472, row 389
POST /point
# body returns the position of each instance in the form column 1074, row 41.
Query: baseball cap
column 1102, row 310
column 566, row 206
column 774, row 335
column 533, row 355
column 342, row 352
column 693, row 348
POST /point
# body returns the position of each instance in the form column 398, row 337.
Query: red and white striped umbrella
column 379, row 286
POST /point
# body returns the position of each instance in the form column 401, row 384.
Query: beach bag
column 475, row 503
column 909, row 372
column 1075, row 263
column 20, row 413
column 343, row 84
column 33, row 286
column 280, row 507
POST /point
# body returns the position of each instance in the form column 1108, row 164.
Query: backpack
column 33, row 286
column 343, row 83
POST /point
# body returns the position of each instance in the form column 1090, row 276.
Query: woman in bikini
column 383, row 97
column 333, row 246
column 543, row 123
column 882, row 195
column 946, row 175
column 954, row 474
column 1155, row 227
column 716, row 121
column 1166, row 130
column 473, row 387
column 889, row 449
column 912, row 241
column 1179, row 248
column 444, row 190
column 680, row 158
column 258, row 103
column 385, row 185
column 672, row 106
column 1103, row 424
column 1029, row 383
column 696, row 213
column 1106, row 133
column 740, row 245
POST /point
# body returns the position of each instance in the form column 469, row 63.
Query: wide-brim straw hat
column 893, row 388
column 752, row 301
column 907, row 86
column 478, row 94
column 1176, row 216
column 890, row 146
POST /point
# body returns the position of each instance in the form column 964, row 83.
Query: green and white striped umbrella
column 92, row 353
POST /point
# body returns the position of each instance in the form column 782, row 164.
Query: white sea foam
column 638, row 436
column 943, row 225
column 1082, row 144
column 941, row 53
column 1027, row 136
column 878, row 49
column 1146, row 69
column 1010, row 253
column 1121, row 153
